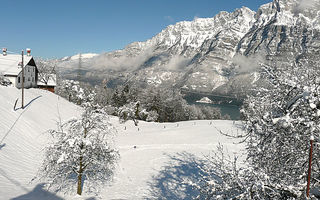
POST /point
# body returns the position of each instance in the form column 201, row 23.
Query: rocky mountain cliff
column 218, row 55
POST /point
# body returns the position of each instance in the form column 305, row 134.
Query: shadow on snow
column 173, row 180
column 38, row 193
column 15, row 122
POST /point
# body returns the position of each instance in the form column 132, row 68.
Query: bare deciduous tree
column 82, row 150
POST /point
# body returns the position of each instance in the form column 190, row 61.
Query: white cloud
column 306, row 4
column 177, row 63
column 122, row 62
column 169, row 18
column 250, row 63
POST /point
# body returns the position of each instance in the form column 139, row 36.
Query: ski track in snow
column 154, row 157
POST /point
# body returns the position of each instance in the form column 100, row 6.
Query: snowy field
column 156, row 159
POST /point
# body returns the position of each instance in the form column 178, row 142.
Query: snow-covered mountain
column 77, row 56
column 216, row 55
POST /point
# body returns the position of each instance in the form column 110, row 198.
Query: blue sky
column 58, row 28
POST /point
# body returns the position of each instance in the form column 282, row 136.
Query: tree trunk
column 79, row 190
column 81, row 166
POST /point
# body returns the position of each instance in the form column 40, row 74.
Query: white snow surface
column 23, row 136
column 155, row 157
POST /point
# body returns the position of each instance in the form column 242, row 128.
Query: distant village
column 11, row 73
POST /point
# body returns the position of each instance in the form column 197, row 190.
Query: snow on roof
column 48, row 80
column 9, row 64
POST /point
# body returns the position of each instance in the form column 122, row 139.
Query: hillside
column 155, row 158
column 23, row 135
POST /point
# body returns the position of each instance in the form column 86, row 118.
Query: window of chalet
column 18, row 79
column 28, row 78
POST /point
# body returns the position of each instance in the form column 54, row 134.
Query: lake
column 227, row 105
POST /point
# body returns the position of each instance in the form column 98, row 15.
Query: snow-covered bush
column 152, row 116
column 201, row 112
column 221, row 178
column 81, row 153
column 79, row 93
column 4, row 81
column 129, row 112
column 280, row 118
column 224, row 177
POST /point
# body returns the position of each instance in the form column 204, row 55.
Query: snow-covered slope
column 155, row 158
column 23, row 136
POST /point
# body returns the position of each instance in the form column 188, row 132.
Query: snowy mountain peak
column 289, row 12
column 296, row 4
column 77, row 56
column 194, row 33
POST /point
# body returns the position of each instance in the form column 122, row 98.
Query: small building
column 11, row 68
column 47, row 82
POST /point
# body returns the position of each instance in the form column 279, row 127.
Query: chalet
column 11, row 68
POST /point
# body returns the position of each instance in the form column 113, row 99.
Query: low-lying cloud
column 177, row 63
column 249, row 63
column 122, row 62
column 306, row 4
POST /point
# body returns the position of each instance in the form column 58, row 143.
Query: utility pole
column 79, row 68
column 22, row 83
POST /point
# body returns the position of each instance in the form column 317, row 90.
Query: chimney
column 4, row 51
column 28, row 52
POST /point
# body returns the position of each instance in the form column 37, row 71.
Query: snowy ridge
column 194, row 33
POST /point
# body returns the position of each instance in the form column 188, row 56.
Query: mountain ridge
column 218, row 54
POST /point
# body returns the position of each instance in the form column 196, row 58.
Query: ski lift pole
column 310, row 162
